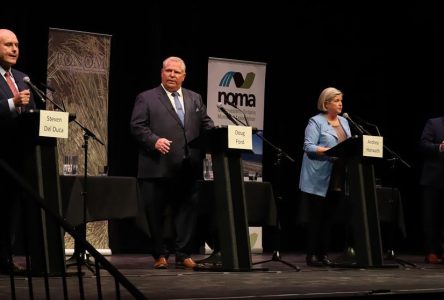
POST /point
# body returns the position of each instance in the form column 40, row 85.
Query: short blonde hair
column 326, row 96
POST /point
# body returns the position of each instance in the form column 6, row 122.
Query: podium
column 363, row 198
column 45, row 236
column 230, row 202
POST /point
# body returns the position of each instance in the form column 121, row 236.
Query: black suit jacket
column 154, row 117
column 6, row 93
column 9, row 132
column 433, row 168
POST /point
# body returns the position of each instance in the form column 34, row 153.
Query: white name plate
column 54, row 124
column 240, row 137
column 372, row 146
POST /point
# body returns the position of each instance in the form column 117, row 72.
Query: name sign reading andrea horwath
column 372, row 146
column 240, row 137
column 54, row 124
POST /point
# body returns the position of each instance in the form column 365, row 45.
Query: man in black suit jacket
column 15, row 98
column 168, row 168
column 432, row 182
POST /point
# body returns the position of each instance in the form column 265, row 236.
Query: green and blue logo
column 238, row 79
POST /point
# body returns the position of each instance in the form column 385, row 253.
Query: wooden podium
column 230, row 202
column 363, row 198
column 45, row 236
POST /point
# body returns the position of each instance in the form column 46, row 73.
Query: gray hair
column 176, row 59
column 326, row 96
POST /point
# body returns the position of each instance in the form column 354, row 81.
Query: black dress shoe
column 325, row 260
column 313, row 261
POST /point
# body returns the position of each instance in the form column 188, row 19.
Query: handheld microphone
column 245, row 117
column 34, row 88
column 357, row 126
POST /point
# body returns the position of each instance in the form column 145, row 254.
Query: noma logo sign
column 238, row 79
column 238, row 99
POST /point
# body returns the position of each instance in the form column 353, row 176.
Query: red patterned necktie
column 12, row 87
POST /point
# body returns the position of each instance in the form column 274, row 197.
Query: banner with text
column 78, row 72
column 238, row 87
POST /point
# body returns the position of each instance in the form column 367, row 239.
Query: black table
column 261, row 210
column 261, row 205
column 108, row 197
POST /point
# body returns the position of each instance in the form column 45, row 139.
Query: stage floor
column 278, row 282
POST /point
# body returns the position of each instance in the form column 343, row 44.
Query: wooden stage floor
column 278, row 282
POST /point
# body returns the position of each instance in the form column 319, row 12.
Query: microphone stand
column 79, row 257
column 395, row 157
column 276, row 256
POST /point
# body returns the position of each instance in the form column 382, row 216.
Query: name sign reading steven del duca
column 372, row 146
column 240, row 137
column 54, row 124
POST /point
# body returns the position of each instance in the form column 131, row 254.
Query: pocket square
column 197, row 109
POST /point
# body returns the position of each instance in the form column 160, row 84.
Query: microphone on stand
column 245, row 117
column 369, row 124
column 72, row 116
column 51, row 89
column 34, row 88
column 232, row 118
column 356, row 125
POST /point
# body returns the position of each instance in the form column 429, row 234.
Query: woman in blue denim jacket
column 322, row 177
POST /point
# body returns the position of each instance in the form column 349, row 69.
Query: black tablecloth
column 260, row 202
column 116, row 198
column 390, row 207
column 107, row 197
column 261, row 210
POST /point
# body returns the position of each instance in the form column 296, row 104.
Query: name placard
column 54, row 124
column 372, row 146
column 240, row 137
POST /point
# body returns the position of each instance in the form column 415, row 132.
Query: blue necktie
column 179, row 108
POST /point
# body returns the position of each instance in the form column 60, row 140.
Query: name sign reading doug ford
column 240, row 137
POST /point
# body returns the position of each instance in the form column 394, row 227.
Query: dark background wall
column 387, row 59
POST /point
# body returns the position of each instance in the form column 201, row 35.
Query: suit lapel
column 331, row 131
column 5, row 88
column 19, row 81
column 187, row 104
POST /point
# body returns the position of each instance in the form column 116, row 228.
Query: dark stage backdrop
column 387, row 59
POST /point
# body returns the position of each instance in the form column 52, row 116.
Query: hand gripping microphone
column 34, row 88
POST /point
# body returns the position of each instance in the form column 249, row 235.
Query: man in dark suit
column 15, row 98
column 164, row 120
column 432, row 182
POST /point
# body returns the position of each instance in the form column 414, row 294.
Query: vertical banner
column 78, row 77
column 241, row 84
column 239, row 88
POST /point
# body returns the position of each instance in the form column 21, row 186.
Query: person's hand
column 22, row 98
column 163, row 145
column 320, row 150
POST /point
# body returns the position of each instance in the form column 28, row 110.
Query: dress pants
column 433, row 205
column 177, row 197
